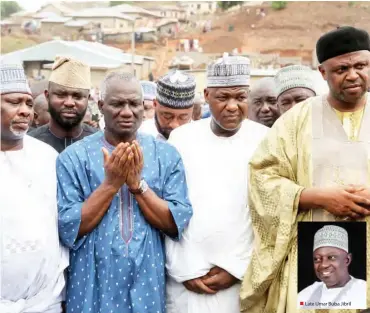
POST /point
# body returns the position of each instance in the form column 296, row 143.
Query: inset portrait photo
column 332, row 265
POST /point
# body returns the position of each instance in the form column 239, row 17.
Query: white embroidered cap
column 331, row 236
column 229, row 71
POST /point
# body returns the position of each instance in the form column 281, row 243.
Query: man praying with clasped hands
column 118, row 192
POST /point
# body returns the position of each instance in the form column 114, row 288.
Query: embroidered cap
column 71, row 73
column 229, row 71
column 331, row 236
column 294, row 76
column 13, row 79
column 149, row 89
column 176, row 90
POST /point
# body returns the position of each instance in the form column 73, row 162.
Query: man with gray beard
column 32, row 261
column 67, row 95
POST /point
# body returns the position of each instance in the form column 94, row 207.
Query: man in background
column 173, row 105
column 150, row 91
column 67, row 96
column 262, row 102
column 294, row 84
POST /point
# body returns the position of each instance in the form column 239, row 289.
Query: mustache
column 69, row 111
column 21, row 121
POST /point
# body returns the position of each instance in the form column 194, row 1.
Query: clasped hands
column 215, row 280
column 352, row 201
column 124, row 165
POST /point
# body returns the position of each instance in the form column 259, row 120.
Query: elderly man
column 150, row 91
column 294, row 84
column 114, row 211
column 173, row 105
column 31, row 260
column 337, row 288
column 305, row 170
column 197, row 107
column 42, row 115
column 67, row 95
column 262, row 106
column 206, row 267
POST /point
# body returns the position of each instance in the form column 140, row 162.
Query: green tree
column 224, row 5
column 278, row 5
column 8, row 8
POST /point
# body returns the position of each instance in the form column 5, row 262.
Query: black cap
column 340, row 41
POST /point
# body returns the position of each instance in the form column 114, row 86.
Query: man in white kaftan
column 31, row 258
column 205, row 268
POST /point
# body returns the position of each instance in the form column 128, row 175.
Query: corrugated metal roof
column 95, row 54
column 57, row 19
column 128, row 8
column 23, row 13
column 101, row 12
column 43, row 15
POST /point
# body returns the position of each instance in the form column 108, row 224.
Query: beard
column 64, row 122
column 165, row 132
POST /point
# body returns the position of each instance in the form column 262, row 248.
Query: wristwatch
column 143, row 186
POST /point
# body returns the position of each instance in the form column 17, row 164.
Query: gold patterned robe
column 279, row 170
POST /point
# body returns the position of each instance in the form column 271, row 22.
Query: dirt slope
column 298, row 26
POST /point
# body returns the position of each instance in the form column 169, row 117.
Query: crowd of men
column 182, row 213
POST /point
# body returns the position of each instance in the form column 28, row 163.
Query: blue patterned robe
column 119, row 266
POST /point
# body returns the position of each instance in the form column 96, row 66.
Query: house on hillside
column 102, row 59
column 73, row 30
column 142, row 34
column 167, row 26
column 107, row 18
column 21, row 17
column 199, row 7
column 55, row 7
column 136, row 12
column 82, row 5
column 53, row 26
column 10, row 27
column 169, row 11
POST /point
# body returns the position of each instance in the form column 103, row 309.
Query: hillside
column 290, row 32
column 298, row 26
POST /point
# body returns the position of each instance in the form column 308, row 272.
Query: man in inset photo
column 331, row 259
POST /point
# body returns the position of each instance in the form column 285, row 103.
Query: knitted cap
column 176, row 90
column 13, row 79
column 294, row 76
column 331, row 236
column 229, row 71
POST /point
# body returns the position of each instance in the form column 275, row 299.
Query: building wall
column 163, row 30
column 54, row 29
column 201, row 7
column 107, row 22
column 118, row 38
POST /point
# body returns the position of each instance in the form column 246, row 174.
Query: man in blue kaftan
column 116, row 233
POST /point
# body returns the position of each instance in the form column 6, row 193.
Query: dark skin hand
column 348, row 201
column 92, row 123
column 116, row 172
column 124, row 166
column 215, row 280
column 154, row 209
